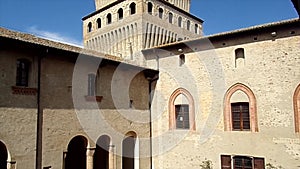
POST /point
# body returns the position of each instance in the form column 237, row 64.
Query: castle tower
column 125, row 27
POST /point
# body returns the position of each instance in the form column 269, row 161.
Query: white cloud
column 54, row 36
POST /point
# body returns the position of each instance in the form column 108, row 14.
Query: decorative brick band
column 93, row 98
column 252, row 107
column 172, row 120
column 296, row 100
column 23, row 90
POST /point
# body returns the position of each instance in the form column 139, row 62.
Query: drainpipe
column 39, row 135
column 151, row 80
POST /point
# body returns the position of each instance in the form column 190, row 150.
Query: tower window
column 150, row 8
column 132, row 8
column 98, row 23
column 22, row 72
column 91, row 84
column 90, row 27
column 196, row 28
column 170, row 17
column 188, row 25
column 160, row 13
column 108, row 18
column 120, row 14
column 180, row 21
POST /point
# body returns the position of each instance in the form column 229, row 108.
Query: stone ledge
column 23, row 90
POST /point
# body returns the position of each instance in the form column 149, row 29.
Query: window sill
column 93, row 98
column 20, row 90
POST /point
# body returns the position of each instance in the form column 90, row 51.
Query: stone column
column 89, row 158
column 112, row 157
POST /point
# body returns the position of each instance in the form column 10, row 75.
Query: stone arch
column 296, row 100
column 3, row 156
column 172, row 115
column 76, row 154
column 101, row 157
column 130, row 151
column 252, row 107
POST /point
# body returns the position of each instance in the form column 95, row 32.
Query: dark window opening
column 101, row 155
column 3, row 156
column 120, row 14
column 91, row 85
column 240, row 116
column 239, row 53
column 108, row 18
column 150, row 8
column 90, row 27
column 196, row 28
column 188, row 25
column 160, row 13
column 180, row 22
column 181, row 59
column 241, row 162
column 182, row 116
column 170, row 17
column 132, row 8
column 22, row 72
column 76, row 155
column 98, row 23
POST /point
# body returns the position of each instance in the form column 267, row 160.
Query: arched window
column 240, row 109
column 180, row 21
column 120, row 14
column 90, row 27
column 101, row 155
column 108, row 19
column 181, row 59
column 296, row 99
column 98, row 23
column 130, row 151
column 170, row 17
column 188, row 25
column 76, row 155
column 181, row 110
column 150, row 8
column 160, row 13
column 22, row 75
column 196, row 28
column 239, row 57
column 3, row 156
column 132, row 7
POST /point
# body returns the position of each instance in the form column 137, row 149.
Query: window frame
column 252, row 107
column 172, row 113
column 241, row 112
column 22, row 74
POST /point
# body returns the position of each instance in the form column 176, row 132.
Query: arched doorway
column 130, row 151
column 3, row 156
column 76, row 155
column 101, row 155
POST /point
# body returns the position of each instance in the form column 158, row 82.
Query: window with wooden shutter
column 182, row 116
column 240, row 116
column 241, row 162
column 259, row 163
column 225, row 162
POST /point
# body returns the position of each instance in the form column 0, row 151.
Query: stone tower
column 125, row 27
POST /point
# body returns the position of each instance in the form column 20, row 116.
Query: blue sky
column 61, row 19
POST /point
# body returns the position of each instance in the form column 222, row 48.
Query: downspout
column 155, row 78
column 39, row 135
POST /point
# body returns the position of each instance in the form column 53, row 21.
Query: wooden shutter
column 225, row 162
column 259, row 163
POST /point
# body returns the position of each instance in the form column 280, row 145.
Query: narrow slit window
column 180, row 21
column 170, row 17
column 188, row 25
column 160, row 13
column 90, row 27
column 91, row 84
column 109, row 18
column 150, row 8
column 98, row 23
column 22, row 72
column 181, row 59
